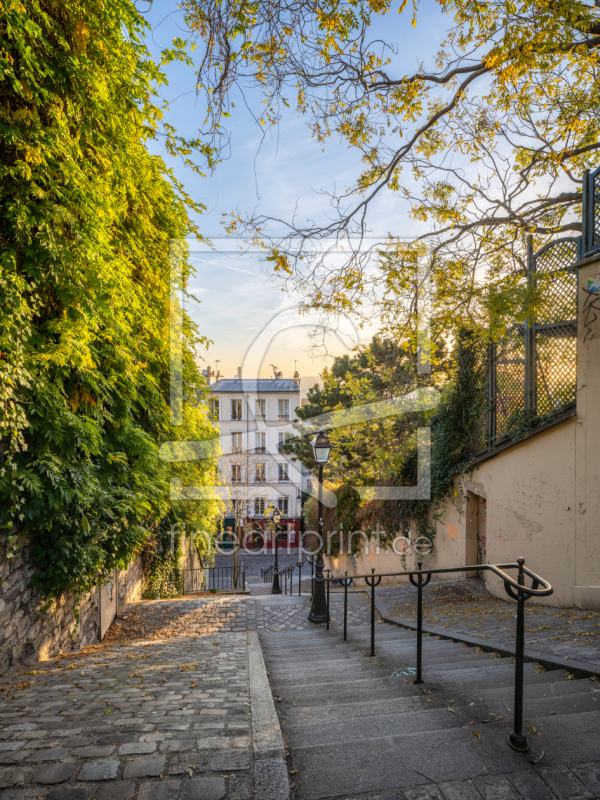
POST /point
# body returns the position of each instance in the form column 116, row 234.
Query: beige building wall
column 520, row 503
column 539, row 499
column 373, row 557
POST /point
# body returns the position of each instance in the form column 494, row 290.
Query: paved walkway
column 164, row 708
column 464, row 607
column 164, row 719
column 161, row 710
column 255, row 562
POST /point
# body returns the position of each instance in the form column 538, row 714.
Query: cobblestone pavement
column 255, row 562
column 280, row 614
column 190, row 616
column 151, row 719
column 464, row 606
column 160, row 710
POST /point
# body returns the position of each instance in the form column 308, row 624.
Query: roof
column 253, row 385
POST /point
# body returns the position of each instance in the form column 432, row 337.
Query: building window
column 236, row 409
column 259, row 506
column 283, row 473
column 237, row 442
column 260, row 475
column 283, row 504
column 260, row 442
column 236, row 473
column 283, row 409
column 309, row 487
column 214, row 408
column 282, row 437
column 261, row 409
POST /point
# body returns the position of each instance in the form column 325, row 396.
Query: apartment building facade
column 255, row 417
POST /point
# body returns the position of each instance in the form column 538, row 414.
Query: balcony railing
column 283, row 417
column 261, row 449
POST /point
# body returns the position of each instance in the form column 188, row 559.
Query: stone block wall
column 131, row 582
column 26, row 634
column 29, row 635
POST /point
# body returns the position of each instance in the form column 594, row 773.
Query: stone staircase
column 356, row 726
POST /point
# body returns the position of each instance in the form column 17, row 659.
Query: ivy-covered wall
column 87, row 218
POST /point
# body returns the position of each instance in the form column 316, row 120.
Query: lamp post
column 318, row 610
column 276, row 588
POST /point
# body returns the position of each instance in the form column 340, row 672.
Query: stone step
column 351, row 721
column 332, row 693
column 386, row 763
column 410, row 648
column 351, row 730
column 351, row 670
column 341, row 679
column 311, row 693
column 356, row 666
column 324, row 715
column 299, row 639
column 555, row 688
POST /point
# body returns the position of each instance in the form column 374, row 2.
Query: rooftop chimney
column 239, row 375
column 296, row 379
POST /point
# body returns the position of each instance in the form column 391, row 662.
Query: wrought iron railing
column 218, row 579
column 515, row 589
column 286, row 575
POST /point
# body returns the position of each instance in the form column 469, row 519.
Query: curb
column 577, row 668
column 270, row 766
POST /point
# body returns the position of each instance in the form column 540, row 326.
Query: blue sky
column 284, row 172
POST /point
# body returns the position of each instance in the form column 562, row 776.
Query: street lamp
column 318, row 610
column 276, row 589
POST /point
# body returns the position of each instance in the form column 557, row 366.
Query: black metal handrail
column 206, row 579
column 516, row 739
column 286, row 575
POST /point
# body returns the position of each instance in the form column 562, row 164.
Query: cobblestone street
column 464, row 607
column 163, row 708
column 160, row 710
column 160, row 619
column 118, row 719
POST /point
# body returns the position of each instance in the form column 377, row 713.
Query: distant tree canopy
column 383, row 452
column 371, row 452
column 86, row 217
column 482, row 145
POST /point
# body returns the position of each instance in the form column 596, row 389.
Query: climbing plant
column 386, row 453
column 86, row 217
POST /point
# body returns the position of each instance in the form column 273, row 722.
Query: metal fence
column 590, row 212
column 532, row 369
column 286, row 575
column 218, row 579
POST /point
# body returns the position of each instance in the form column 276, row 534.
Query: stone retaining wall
column 28, row 635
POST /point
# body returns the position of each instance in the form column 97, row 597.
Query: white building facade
column 255, row 417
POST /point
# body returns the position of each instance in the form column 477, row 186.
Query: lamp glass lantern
column 276, row 516
column 321, row 447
